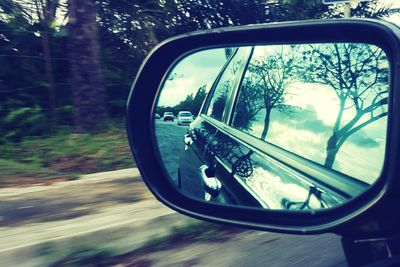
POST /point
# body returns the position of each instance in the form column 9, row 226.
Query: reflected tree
column 264, row 86
column 229, row 52
column 190, row 103
column 232, row 154
column 219, row 104
column 225, row 86
column 358, row 73
column 248, row 105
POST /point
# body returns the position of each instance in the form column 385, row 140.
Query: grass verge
column 65, row 155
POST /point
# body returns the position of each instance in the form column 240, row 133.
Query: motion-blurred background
column 66, row 67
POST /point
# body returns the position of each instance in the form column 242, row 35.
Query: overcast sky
column 198, row 69
column 306, row 132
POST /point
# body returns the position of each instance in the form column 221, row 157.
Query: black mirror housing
column 372, row 205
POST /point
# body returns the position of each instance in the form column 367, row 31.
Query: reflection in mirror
column 289, row 127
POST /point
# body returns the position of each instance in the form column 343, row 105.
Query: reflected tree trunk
column 331, row 151
column 359, row 76
column 267, row 119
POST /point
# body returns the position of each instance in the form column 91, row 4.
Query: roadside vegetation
column 64, row 155
column 59, row 103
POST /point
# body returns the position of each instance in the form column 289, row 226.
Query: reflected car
column 168, row 116
column 184, row 118
column 231, row 148
column 157, row 116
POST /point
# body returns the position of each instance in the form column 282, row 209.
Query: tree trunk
column 88, row 91
column 50, row 78
column 266, row 124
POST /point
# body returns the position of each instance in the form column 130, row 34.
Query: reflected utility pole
column 347, row 11
column 346, row 7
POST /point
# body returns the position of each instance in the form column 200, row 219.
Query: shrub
column 26, row 121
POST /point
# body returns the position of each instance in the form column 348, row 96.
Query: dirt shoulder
column 68, row 199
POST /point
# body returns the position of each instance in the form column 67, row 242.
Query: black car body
column 248, row 174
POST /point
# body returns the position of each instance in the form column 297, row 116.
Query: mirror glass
column 287, row 127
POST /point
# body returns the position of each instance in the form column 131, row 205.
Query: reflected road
column 171, row 145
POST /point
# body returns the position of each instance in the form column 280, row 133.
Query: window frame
column 206, row 103
column 232, row 96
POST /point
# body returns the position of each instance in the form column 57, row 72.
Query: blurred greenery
column 42, row 101
column 88, row 257
column 10, row 169
column 66, row 154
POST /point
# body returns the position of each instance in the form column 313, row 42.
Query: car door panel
column 258, row 178
column 199, row 135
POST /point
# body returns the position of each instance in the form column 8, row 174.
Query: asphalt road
column 60, row 206
column 249, row 248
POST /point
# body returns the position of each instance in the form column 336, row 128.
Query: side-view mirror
column 296, row 127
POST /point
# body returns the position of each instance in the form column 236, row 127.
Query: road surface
column 248, row 248
column 52, row 212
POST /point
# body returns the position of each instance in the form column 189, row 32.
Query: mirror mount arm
column 372, row 251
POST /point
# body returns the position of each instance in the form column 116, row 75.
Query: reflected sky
column 194, row 71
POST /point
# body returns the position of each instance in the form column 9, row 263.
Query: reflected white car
column 168, row 116
column 184, row 117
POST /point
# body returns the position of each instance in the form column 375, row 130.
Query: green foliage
column 65, row 115
column 24, row 122
column 65, row 153
column 88, row 257
column 18, row 169
column 127, row 32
